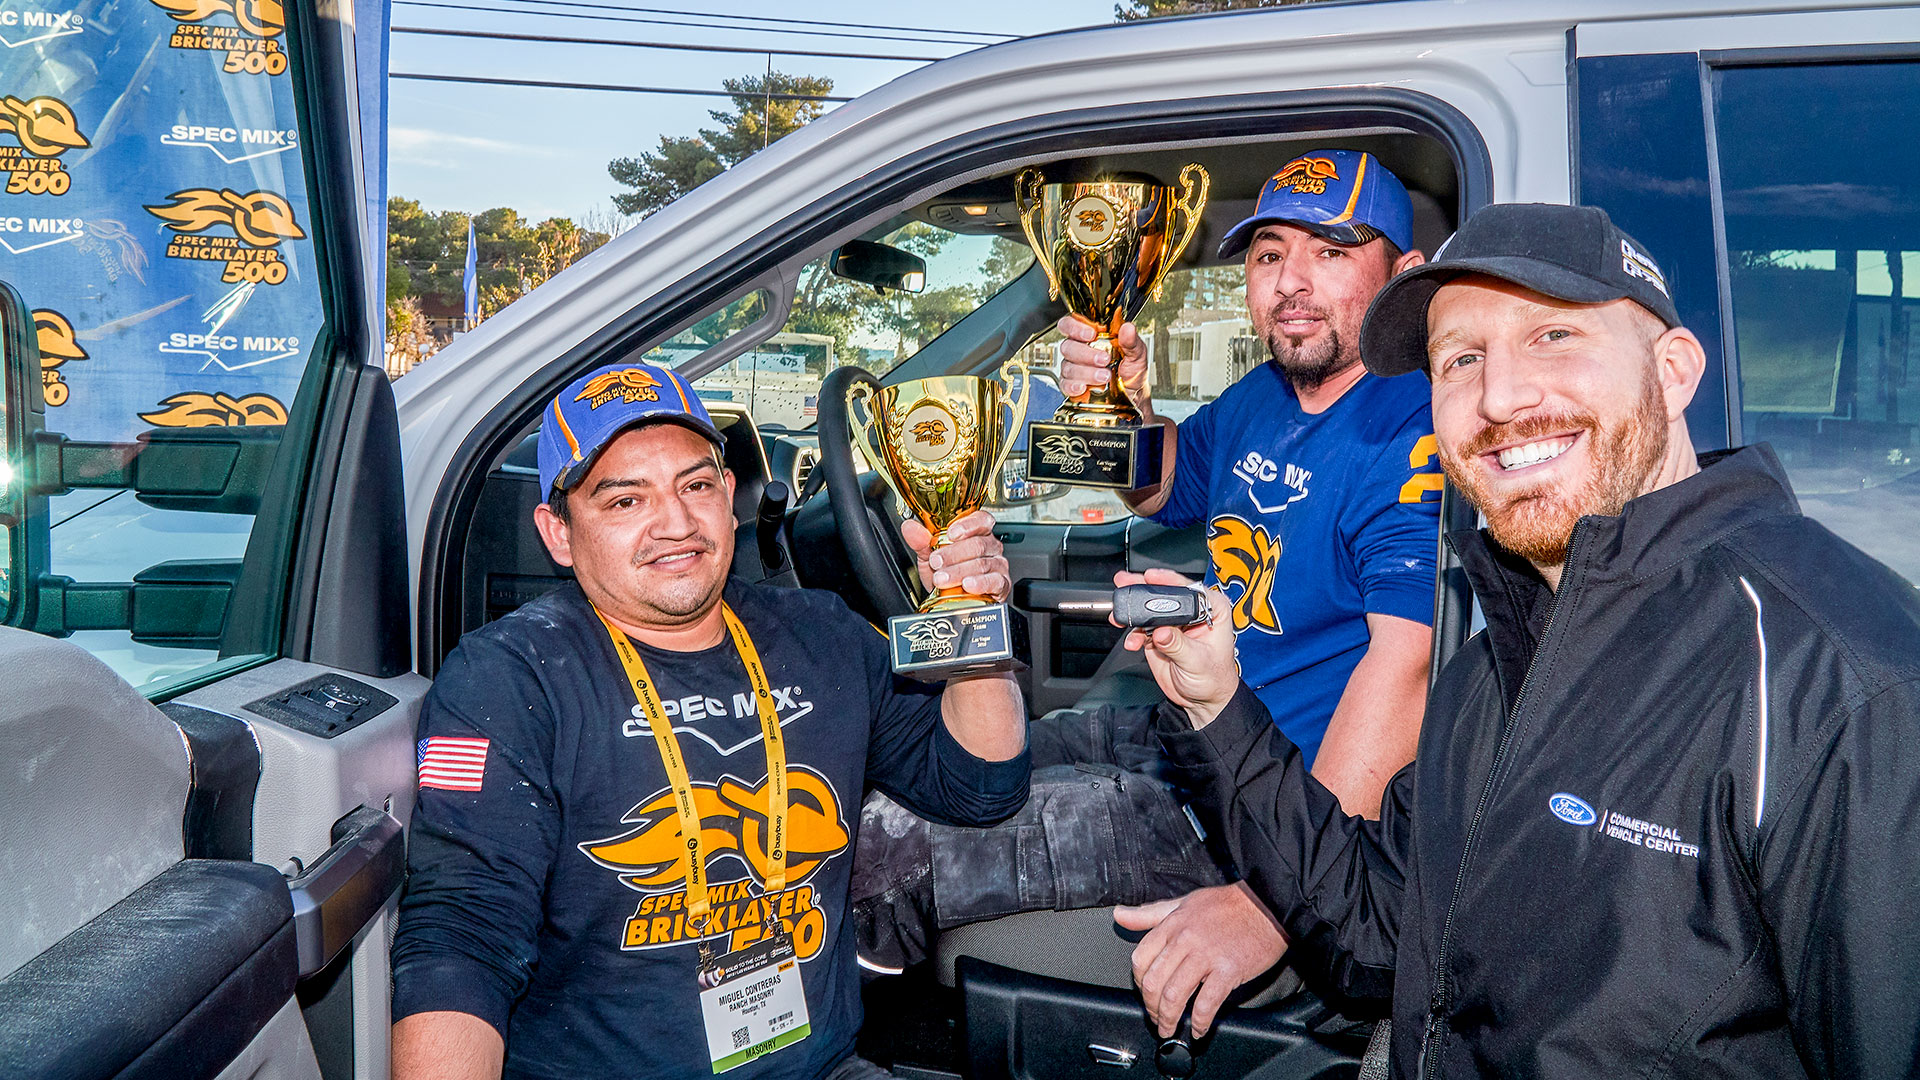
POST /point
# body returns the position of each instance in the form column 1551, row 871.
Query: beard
column 1307, row 366
column 684, row 597
column 1537, row 523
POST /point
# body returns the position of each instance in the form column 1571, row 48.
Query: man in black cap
column 1660, row 819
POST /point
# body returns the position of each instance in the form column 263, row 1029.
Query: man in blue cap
column 1320, row 489
column 630, row 853
column 1318, row 483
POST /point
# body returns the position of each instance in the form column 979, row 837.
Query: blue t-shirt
column 544, row 890
column 1314, row 521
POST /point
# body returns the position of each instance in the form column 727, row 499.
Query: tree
column 1135, row 10
column 683, row 163
column 1008, row 259
column 427, row 254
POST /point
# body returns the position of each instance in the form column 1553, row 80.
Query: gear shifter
column 766, row 526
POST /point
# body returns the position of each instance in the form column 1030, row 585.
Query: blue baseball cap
column 597, row 407
column 1346, row 196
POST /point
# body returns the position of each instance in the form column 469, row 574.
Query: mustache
column 1295, row 308
column 1525, row 429
column 653, row 551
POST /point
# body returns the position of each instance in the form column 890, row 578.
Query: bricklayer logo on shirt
column 46, row 128
column 259, row 220
column 54, row 333
column 249, row 44
column 1245, row 560
column 733, row 828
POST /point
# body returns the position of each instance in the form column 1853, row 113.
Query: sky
column 544, row 152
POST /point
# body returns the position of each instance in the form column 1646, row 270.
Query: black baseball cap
column 1572, row 253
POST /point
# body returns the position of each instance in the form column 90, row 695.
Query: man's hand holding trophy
column 1106, row 246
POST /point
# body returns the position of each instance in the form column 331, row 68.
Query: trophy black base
column 1123, row 458
column 938, row 645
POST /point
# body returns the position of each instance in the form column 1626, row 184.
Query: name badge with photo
column 752, row 1002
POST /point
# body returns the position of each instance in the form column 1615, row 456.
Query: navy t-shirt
column 1314, row 521
column 545, row 892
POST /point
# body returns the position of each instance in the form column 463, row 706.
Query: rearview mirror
column 23, row 514
column 880, row 266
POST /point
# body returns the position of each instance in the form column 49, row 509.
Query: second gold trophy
column 1106, row 247
column 940, row 444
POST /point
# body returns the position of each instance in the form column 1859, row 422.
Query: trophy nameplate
column 964, row 641
column 1123, row 458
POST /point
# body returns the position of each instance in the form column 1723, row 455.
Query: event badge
column 752, row 1002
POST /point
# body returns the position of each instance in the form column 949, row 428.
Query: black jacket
column 1666, row 823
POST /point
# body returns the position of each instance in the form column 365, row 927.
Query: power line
column 669, row 22
column 491, row 81
column 771, row 19
column 502, row 35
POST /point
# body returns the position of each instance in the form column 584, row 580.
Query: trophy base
column 937, row 645
column 1102, row 456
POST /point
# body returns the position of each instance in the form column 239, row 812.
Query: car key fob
column 1148, row 606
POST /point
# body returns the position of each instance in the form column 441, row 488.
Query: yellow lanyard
column 699, row 907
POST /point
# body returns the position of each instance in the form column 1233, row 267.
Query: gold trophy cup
column 939, row 443
column 1106, row 246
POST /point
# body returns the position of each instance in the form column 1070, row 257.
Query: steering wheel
column 880, row 559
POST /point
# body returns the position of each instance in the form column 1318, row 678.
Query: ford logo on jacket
column 1571, row 809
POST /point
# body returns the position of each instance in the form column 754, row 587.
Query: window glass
column 1822, row 219
column 835, row 322
column 154, row 215
column 1199, row 342
column 688, row 344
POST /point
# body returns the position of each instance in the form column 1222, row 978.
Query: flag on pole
column 470, row 281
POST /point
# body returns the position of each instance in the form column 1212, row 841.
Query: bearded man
column 1320, row 492
column 1660, row 819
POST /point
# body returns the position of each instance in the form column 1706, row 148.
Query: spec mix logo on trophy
column 1105, row 246
column 939, row 444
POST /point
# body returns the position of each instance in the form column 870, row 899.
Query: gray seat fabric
column 1083, row 945
column 93, row 788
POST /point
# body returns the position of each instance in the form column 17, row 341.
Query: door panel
column 1060, row 565
column 310, row 782
column 174, row 981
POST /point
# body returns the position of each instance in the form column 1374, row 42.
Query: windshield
column 835, row 322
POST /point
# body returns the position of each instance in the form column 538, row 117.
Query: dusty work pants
column 1103, row 826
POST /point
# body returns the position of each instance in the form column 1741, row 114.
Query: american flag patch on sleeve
column 452, row 764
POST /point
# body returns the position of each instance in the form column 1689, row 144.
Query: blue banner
column 154, row 212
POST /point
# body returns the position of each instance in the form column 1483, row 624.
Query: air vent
column 803, row 463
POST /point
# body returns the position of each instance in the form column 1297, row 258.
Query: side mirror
column 880, row 266
column 218, row 470
column 23, row 513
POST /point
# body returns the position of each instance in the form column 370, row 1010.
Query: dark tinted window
column 1820, row 195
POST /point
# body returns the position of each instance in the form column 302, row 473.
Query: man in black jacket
column 1661, row 816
